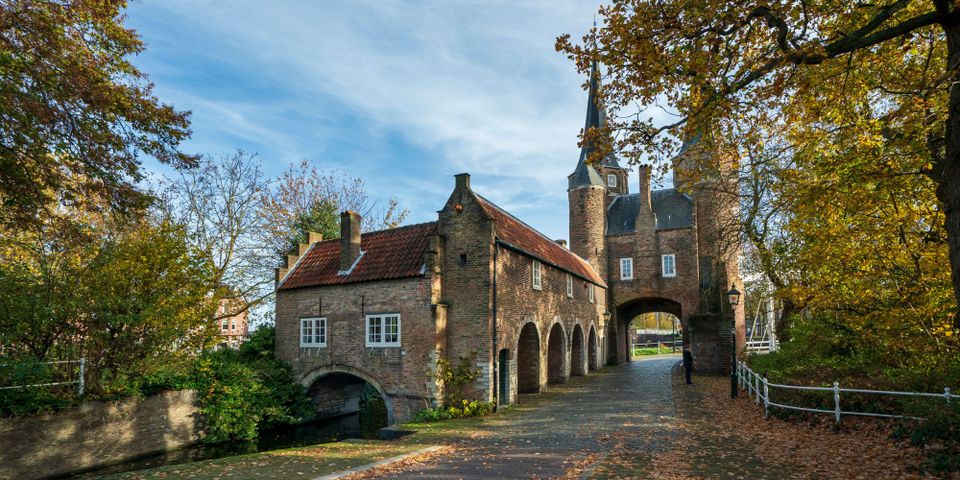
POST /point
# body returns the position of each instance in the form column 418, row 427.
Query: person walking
column 687, row 363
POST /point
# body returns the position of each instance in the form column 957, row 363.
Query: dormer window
column 611, row 180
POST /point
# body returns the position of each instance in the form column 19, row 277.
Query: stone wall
column 96, row 433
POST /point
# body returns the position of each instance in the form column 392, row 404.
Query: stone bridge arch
column 339, row 386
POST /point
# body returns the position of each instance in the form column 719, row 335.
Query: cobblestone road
column 568, row 428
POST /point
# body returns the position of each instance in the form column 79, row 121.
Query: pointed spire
column 596, row 118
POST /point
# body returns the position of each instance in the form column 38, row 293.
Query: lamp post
column 734, row 297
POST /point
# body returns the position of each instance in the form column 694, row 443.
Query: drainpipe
column 496, row 352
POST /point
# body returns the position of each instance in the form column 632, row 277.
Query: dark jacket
column 687, row 359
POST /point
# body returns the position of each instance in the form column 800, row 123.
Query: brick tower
column 670, row 250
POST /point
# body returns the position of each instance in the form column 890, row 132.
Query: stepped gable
column 387, row 254
column 520, row 236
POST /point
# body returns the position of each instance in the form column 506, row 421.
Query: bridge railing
column 74, row 376
column 758, row 388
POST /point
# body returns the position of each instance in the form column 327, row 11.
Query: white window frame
column 536, row 272
column 611, row 180
column 314, row 330
column 569, row 286
column 673, row 265
column 381, row 318
column 590, row 293
column 628, row 262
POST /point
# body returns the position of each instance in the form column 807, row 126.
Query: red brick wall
column 588, row 226
column 401, row 372
column 467, row 284
column 518, row 303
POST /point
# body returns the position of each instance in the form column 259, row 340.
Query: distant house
column 233, row 329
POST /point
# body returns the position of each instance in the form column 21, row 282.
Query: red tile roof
column 521, row 236
column 388, row 254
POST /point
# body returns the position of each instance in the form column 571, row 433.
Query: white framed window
column 611, row 180
column 383, row 330
column 668, row 264
column 313, row 332
column 537, row 276
column 590, row 292
column 626, row 269
column 225, row 324
column 569, row 285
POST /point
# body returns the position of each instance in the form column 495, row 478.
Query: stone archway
column 577, row 359
column 593, row 357
column 528, row 359
column 556, row 347
column 629, row 310
column 336, row 390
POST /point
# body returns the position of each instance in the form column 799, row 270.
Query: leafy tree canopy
column 73, row 106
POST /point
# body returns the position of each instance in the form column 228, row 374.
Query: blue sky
column 402, row 94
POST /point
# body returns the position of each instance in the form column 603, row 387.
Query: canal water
column 309, row 433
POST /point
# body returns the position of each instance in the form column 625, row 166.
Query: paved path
column 568, row 428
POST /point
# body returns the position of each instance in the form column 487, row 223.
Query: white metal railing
column 666, row 345
column 758, row 387
column 79, row 382
column 759, row 346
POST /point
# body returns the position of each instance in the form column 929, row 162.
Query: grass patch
column 639, row 352
column 315, row 460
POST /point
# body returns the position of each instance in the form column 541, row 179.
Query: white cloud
column 479, row 85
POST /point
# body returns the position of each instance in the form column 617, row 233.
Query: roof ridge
column 400, row 227
column 538, row 232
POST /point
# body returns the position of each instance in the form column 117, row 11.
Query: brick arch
column 317, row 374
column 528, row 353
column 577, row 356
column 629, row 309
column 556, row 353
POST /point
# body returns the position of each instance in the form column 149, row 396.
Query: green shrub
column 33, row 400
column 373, row 411
column 466, row 408
column 246, row 390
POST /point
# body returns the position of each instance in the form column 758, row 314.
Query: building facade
column 480, row 286
column 477, row 285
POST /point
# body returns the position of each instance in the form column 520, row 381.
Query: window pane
column 321, row 331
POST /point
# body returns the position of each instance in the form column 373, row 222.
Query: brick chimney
column 463, row 181
column 349, row 240
column 644, row 191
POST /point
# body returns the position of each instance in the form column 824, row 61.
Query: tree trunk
column 948, row 185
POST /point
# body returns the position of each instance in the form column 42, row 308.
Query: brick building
column 672, row 250
column 234, row 329
column 382, row 307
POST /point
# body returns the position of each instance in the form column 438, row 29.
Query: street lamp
column 733, row 296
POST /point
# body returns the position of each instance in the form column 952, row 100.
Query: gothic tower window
column 626, row 269
column 669, row 265
column 611, row 180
